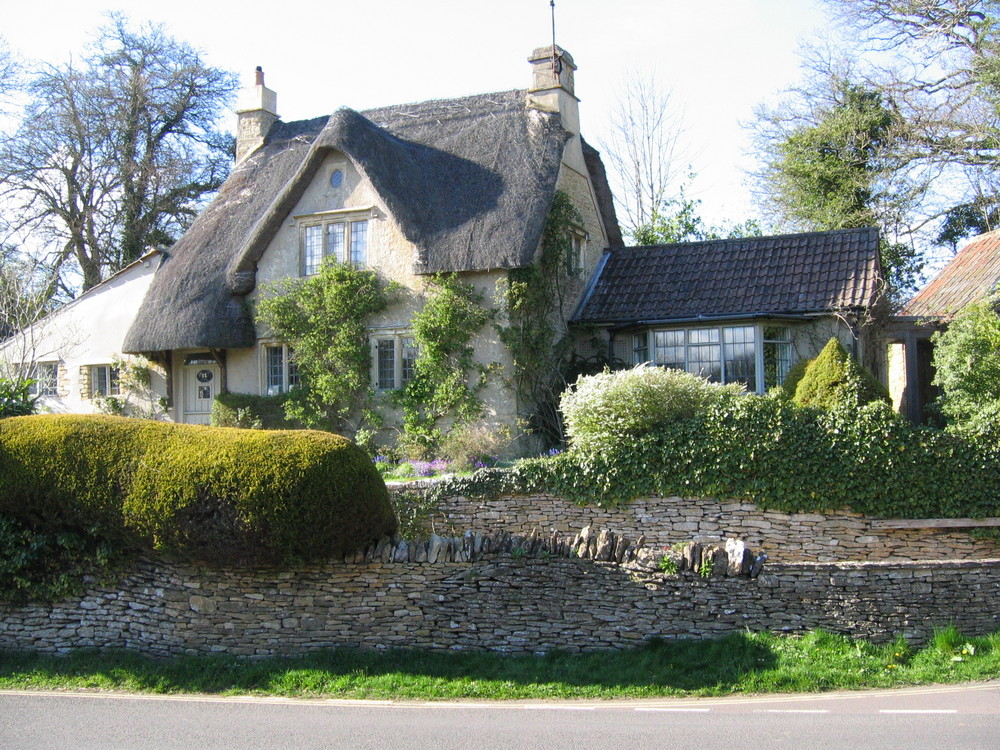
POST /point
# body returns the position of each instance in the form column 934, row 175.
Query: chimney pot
column 259, row 76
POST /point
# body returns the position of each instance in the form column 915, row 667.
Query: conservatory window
column 756, row 356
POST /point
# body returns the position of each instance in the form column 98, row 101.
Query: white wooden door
column 201, row 385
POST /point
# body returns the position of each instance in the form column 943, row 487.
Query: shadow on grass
column 659, row 668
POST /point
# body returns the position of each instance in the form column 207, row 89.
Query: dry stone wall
column 785, row 537
column 500, row 602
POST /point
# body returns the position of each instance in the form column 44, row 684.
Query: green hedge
column 211, row 494
column 780, row 456
column 249, row 410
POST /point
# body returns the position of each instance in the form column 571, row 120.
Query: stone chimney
column 257, row 112
column 552, row 87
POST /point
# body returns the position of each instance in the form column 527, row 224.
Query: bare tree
column 643, row 151
column 115, row 155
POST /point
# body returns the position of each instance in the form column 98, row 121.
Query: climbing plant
column 324, row 319
column 447, row 378
column 533, row 300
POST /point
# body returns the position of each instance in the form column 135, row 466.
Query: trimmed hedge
column 211, row 494
column 242, row 409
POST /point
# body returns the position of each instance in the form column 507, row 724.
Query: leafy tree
column 967, row 362
column 678, row 220
column 116, row 154
column 324, row 318
column 835, row 171
column 934, row 63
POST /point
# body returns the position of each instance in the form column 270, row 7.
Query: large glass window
column 740, row 355
column 723, row 354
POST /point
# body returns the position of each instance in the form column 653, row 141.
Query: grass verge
column 741, row 663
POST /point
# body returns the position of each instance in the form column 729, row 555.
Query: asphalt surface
column 966, row 716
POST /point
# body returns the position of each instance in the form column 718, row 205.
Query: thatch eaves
column 469, row 181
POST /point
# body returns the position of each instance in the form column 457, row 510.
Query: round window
column 337, row 178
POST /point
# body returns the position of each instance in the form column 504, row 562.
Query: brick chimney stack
column 257, row 113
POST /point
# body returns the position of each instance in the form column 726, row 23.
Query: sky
column 717, row 60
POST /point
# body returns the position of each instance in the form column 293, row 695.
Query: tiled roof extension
column 972, row 274
column 781, row 275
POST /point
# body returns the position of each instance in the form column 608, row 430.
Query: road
column 934, row 717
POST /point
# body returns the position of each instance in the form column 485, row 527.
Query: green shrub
column 470, row 445
column 15, row 398
column 206, row 493
column 52, row 565
column 249, row 411
column 967, row 363
column 610, row 408
column 834, row 377
column 795, row 373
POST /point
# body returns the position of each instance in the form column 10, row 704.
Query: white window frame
column 288, row 376
column 402, row 366
column 112, row 379
column 644, row 350
column 45, row 379
column 354, row 226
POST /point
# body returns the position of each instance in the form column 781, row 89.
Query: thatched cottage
column 460, row 185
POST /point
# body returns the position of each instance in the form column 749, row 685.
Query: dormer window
column 341, row 235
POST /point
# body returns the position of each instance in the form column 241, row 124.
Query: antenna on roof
column 556, row 61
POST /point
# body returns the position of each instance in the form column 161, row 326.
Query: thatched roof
column 794, row 274
column 469, row 181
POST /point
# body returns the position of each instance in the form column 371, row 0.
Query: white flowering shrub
column 602, row 410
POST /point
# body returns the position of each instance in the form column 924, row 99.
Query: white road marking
column 678, row 710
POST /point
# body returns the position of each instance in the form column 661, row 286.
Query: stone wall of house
column 501, row 600
column 785, row 537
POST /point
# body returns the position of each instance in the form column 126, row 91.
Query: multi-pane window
column 740, row 358
column 281, row 374
column 45, row 377
column 640, row 348
column 394, row 361
column 341, row 239
column 723, row 354
column 104, row 381
column 777, row 355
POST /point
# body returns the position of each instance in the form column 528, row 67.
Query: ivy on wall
column 447, row 378
column 779, row 456
column 324, row 318
column 533, row 301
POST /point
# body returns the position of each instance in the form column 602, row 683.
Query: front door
column 201, row 386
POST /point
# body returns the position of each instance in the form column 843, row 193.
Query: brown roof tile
column 972, row 274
